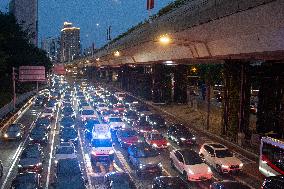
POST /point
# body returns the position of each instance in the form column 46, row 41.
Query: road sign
column 32, row 73
column 59, row 69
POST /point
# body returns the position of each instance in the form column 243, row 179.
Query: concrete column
column 124, row 77
column 180, row 84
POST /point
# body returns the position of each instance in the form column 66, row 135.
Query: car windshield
column 192, row 158
column 115, row 120
column 48, row 111
column 101, row 105
column 68, row 167
column 147, row 151
column 65, row 150
column 101, row 143
column 157, row 136
column 69, row 132
column 30, row 152
column 13, row 128
column 223, row 153
column 129, row 133
column 38, row 130
column 88, row 112
column 68, row 109
column 43, row 121
column 67, row 119
column 131, row 113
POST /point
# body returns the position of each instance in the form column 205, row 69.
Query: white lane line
column 51, row 150
column 117, row 167
column 240, row 180
column 85, row 162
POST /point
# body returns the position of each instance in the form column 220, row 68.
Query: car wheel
column 184, row 174
column 219, row 169
column 172, row 164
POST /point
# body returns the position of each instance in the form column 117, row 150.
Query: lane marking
column 117, row 167
column 51, row 150
column 240, row 180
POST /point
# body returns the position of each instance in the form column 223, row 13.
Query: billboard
column 59, row 69
column 32, row 73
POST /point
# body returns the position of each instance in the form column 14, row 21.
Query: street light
column 117, row 53
column 164, row 39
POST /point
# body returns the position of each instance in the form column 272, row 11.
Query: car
column 120, row 95
column 127, row 137
column 28, row 180
column 228, row 184
column 145, row 159
column 39, row 134
column 67, row 121
column 48, row 113
column 118, row 108
column 190, row 165
column 275, row 182
column 142, row 126
column 14, row 132
column 69, row 134
column 115, row 123
column 106, row 114
column 66, row 104
column 130, row 100
column 31, row 159
column 143, row 110
column 68, row 111
column 87, row 114
column 1, row 169
column 179, row 134
column 114, row 180
column 68, row 174
column 51, row 104
column 43, row 122
column 65, row 152
column 157, row 140
column 38, row 103
column 101, row 106
column 219, row 156
column 156, row 121
column 130, row 116
column 169, row 182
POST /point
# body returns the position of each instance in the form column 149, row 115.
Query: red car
column 142, row 126
column 127, row 137
column 156, row 140
column 118, row 108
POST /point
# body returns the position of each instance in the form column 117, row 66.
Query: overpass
column 154, row 60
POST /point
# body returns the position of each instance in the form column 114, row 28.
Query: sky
column 92, row 16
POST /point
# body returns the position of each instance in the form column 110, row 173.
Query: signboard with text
column 32, row 73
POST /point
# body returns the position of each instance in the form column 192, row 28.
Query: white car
column 219, row 157
column 47, row 113
column 65, row 152
column 190, row 164
column 115, row 123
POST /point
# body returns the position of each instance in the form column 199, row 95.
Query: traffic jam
column 83, row 135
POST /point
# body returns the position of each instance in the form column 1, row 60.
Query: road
column 94, row 174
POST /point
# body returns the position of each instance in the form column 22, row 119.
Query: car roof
column 216, row 145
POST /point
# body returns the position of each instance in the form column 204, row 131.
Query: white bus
column 271, row 160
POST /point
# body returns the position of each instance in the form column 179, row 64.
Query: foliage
column 15, row 51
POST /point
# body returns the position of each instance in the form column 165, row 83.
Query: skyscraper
column 26, row 13
column 70, row 43
column 51, row 46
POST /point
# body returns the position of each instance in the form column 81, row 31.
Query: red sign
column 32, row 73
column 59, row 69
column 150, row 4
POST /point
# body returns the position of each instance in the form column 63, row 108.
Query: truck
column 101, row 143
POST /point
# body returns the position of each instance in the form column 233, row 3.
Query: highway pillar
column 180, row 84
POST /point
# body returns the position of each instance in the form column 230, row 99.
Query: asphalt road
column 10, row 152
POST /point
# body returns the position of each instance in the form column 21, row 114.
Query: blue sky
column 92, row 16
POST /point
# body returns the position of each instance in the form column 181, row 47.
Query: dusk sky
column 92, row 16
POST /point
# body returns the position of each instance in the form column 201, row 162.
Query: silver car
column 13, row 132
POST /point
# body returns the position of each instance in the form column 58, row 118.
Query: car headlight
column 160, row 164
column 241, row 165
column 190, row 172
column 155, row 145
column 19, row 166
column 111, row 152
column 18, row 134
column 168, row 144
column 39, row 164
column 61, row 139
column 141, row 166
column 31, row 138
column 6, row 135
column 225, row 166
column 209, row 170
column 183, row 139
column 193, row 138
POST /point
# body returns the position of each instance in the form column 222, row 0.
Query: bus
column 271, row 160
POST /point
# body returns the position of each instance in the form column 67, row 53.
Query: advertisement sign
column 32, row 73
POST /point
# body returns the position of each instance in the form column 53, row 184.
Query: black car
column 130, row 116
column 43, row 122
column 69, row 134
column 276, row 182
column 39, row 134
column 169, row 182
column 67, row 122
column 68, row 111
column 145, row 159
column 68, row 175
column 27, row 181
column 181, row 135
column 115, row 180
column 156, row 121
column 31, row 159
column 129, row 100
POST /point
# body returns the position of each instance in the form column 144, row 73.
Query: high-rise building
column 70, row 43
column 26, row 13
column 52, row 47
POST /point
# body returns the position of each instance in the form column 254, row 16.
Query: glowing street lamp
column 164, row 39
column 117, row 53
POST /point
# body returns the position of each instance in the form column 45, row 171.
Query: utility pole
column 14, row 88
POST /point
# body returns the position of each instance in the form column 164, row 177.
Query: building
column 52, row 47
column 26, row 13
column 89, row 51
column 70, row 43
